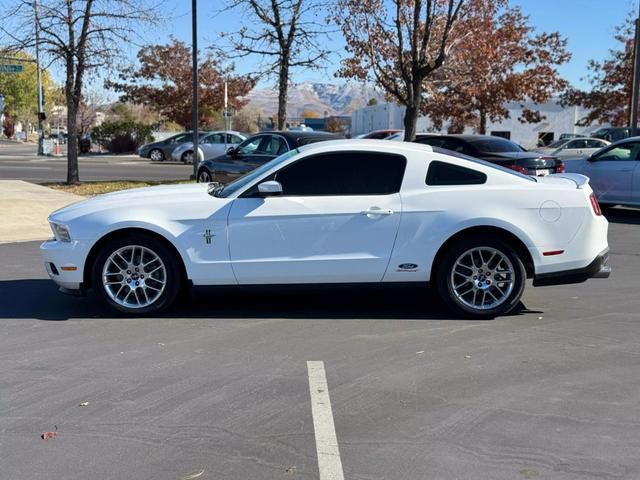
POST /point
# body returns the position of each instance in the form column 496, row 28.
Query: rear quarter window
column 443, row 173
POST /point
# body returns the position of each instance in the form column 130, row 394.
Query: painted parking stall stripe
column 329, row 462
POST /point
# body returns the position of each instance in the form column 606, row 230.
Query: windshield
column 496, row 145
column 240, row 182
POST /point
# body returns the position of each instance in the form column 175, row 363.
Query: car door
column 611, row 172
column 336, row 221
column 573, row 149
column 170, row 144
column 214, row 145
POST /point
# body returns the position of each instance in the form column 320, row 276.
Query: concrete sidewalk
column 25, row 208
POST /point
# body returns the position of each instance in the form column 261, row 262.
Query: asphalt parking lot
column 220, row 384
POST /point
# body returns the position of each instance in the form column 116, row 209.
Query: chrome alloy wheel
column 482, row 278
column 187, row 157
column 156, row 155
column 134, row 276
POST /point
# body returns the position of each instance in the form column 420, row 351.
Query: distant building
column 558, row 120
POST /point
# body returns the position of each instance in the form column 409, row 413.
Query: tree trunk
column 482, row 129
column 73, row 176
column 412, row 112
column 283, row 91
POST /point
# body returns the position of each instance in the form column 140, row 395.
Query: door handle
column 376, row 211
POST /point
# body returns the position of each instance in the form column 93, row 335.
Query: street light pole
column 636, row 79
column 194, row 106
column 39, row 82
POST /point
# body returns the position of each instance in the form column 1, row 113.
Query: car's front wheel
column 187, row 157
column 156, row 155
column 136, row 274
column 204, row 176
column 481, row 277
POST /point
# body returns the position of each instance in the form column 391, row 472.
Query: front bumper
column 596, row 269
column 64, row 263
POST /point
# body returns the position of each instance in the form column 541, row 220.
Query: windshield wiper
column 215, row 189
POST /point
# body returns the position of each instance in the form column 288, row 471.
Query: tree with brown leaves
column 285, row 35
column 501, row 61
column 163, row 82
column 401, row 44
column 609, row 99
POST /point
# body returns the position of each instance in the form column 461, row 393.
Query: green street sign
column 7, row 68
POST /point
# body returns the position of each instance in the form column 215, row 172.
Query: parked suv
column 612, row 134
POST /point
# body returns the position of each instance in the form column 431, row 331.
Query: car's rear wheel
column 481, row 277
column 136, row 274
column 204, row 176
column 187, row 157
column 156, row 155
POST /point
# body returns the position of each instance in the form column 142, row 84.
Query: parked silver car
column 614, row 172
column 569, row 149
column 211, row 145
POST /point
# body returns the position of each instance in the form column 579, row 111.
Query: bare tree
column 82, row 35
column 285, row 34
column 400, row 43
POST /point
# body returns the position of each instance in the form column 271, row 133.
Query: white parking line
column 329, row 462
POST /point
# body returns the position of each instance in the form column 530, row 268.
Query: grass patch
column 89, row 189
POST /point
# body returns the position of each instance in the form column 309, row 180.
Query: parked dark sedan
column 254, row 152
column 499, row 151
column 161, row 150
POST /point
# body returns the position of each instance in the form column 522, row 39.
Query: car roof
column 383, row 146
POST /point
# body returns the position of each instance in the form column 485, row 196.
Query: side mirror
column 270, row 188
column 231, row 151
column 591, row 158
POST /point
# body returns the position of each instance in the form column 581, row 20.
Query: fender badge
column 407, row 267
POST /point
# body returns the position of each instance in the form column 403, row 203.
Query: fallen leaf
column 84, row 404
column 467, row 356
column 195, row 475
column 48, row 435
column 291, row 470
column 421, row 351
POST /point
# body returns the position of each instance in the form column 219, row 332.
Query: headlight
column 61, row 232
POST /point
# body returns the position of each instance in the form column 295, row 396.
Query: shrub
column 85, row 145
column 8, row 127
column 121, row 136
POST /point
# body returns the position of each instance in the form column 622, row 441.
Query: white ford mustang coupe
column 340, row 212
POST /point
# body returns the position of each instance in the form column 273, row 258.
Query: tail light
column 595, row 205
column 518, row 169
column 560, row 168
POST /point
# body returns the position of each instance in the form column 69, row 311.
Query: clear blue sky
column 589, row 26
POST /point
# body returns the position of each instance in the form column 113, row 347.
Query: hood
column 144, row 199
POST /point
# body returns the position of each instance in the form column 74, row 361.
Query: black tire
column 457, row 303
column 158, row 154
column 172, row 277
column 185, row 157
column 204, row 176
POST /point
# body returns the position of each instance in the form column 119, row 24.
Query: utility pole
column 39, row 82
column 194, row 106
column 636, row 79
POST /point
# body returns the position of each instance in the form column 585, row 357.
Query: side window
column 250, row 145
column 434, row 142
column 233, row 139
column 442, row 173
column 594, row 144
column 348, row 173
column 276, row 145
column 619, row 153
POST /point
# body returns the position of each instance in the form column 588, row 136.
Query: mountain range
column 321, row 99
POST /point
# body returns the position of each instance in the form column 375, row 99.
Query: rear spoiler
column 579, row 180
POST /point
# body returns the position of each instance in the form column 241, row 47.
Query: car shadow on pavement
column 40, row 299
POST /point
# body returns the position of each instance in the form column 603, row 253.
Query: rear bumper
column 596, row 269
